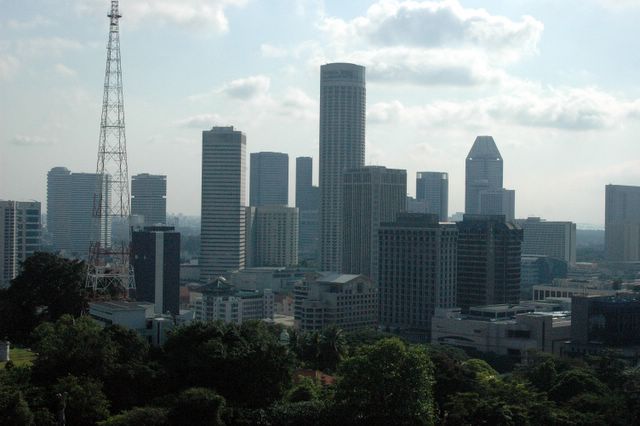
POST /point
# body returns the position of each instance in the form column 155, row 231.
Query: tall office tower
column 70, row 198
column 489, row 250
column 308, row 203
column 622, row 223
column 20, row 236
column 58, row 208
column 222, row 235
column 275, row 236
column 498, row 202
column 417, row 272
column 149, row 198
column 549, row 238
column 483, row 171
column 372, row 195
column 156, row 264
column 250, row 236
column 269, row 179
column 433, row 188
column 342, row 130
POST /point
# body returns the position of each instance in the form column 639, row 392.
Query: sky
column 555, row 82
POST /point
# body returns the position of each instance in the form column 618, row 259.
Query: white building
column 20, row 236
column 504, row 329
column 222, row 301
column 222, row 236
column 549, row 238
column 342, row 135
column 347, row 301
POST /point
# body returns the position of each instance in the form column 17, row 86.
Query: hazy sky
column 555, row 82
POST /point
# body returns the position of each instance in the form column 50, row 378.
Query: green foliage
column 575, row 382
column 306, row 389
column 14, row 410
column 322, row 350
column 85, row 402
column 245, row 364
column 47, row 288
column 140, row 416
column 197, row 407
column 387, row 383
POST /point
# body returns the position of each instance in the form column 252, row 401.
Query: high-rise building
column 416, row 206
column 156, row 265
column 372, row 195
column 342, row 135
column 549, row 238
column 308, row 204
column 222, row 236
column 489, row 250
column 483, row 171
column 59, row 208
column 433, row 188
column 20, row 236
column 269, row 179
column 417, row 272
column 622, row 223
column 498, row 202
column 149, row 198
column 70, row 222
column 275, row 236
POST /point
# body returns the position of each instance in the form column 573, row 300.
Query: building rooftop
column 121, row 305
column 484, row 147
column 336, row 278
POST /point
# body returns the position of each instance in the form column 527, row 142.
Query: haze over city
column 555, row 84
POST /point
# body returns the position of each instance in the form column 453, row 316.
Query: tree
column 575, row 382
column 197, row 407
column 333, row 348
column 86, row 404
column 48, row 287
column 387, row 383
column 306, row 389
column 140, row 416
column 14, row 410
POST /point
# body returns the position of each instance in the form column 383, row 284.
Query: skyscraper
column 70, row 198
column 269, row 179
column 498, row 201
column 20, row 233
column 433, row 188
column 622, row 223
column 372, row 195
column 149, row 198
column 483, row 171
column 489, row 250
column 417, row 272
column 308, row 203
column 342, row 135
column 156, row 264
column 222, row 236
column 275, row 240
column 549, row 238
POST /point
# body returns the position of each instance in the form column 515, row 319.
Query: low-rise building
column 222, row 301
column 511, row 330
column 345, row 300
column 572, row 287
column 140, row 317
column 277, row 279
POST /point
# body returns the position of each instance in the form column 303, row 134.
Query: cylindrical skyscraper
column 342, row 131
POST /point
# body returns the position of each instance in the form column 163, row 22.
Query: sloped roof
column 484, row 147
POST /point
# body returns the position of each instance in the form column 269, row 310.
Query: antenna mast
column 109, row 267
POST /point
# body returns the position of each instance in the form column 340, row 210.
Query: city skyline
column 552, row 131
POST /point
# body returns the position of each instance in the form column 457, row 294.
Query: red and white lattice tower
column 108, row 264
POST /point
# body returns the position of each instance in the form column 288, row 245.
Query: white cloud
column 298, row 105
column 64, row 70
column 200, row 15
column 26, row 141
column 41, row 46
column 247, row 88
column 562, row 108
column 9, row 66
column 201, row 121
column 270, row 51
column 35, row 22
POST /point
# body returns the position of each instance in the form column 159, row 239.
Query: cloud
column 270, row 51
column 35, row 22
column 298, row 105
column 247, row 88
column 200, row 15
column 27, row 141
column 201, row 121
column 560, row 108
column 9, row 66
column 64, row 70
column 41, row 46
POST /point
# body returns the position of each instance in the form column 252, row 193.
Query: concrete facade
column 483, row 172
column 622, row 223
column 20, row 236
column 149, row 198
column 433, row 189
column 269, row 179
